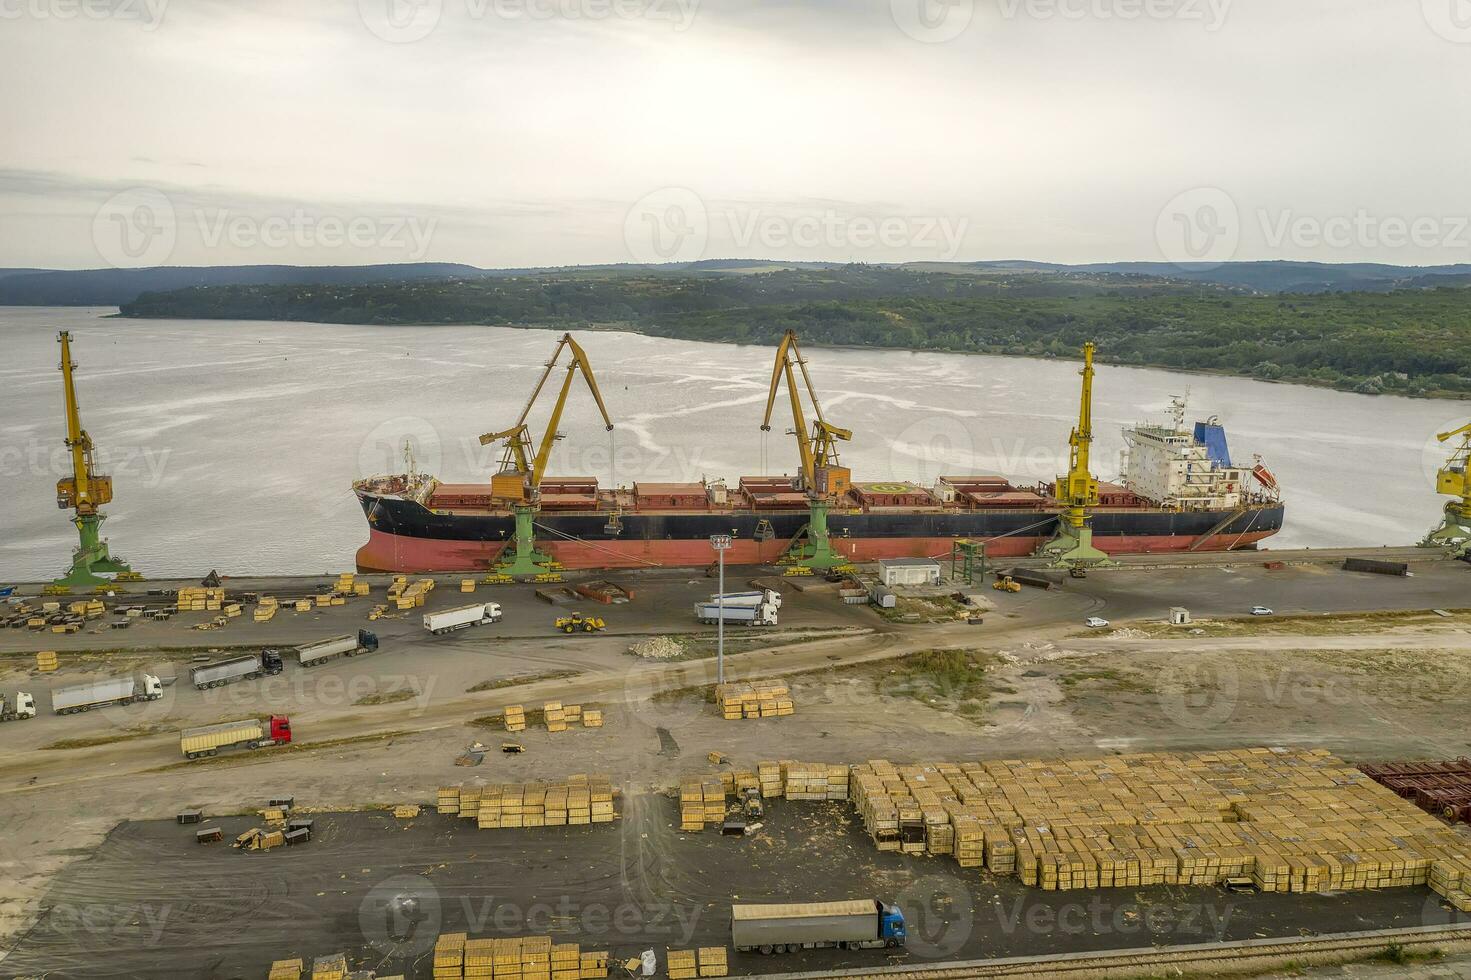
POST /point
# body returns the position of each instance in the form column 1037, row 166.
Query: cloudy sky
column 539, row 132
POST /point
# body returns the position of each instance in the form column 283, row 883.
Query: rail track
column 1252, row 956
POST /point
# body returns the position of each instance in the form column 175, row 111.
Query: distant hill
column 114, row 287
column 1406, row 341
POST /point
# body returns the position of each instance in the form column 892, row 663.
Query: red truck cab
column 280, row 729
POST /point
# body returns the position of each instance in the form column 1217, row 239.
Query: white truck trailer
column 462, row 617
column 223, row 672
column 859, row 924
column 322, row 651
column 763, row 614
column 22, row 707
column 100, row 694
column 759, row 597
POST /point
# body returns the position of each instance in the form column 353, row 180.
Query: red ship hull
column 386, row 552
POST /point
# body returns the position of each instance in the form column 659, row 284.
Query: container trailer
column 759, row 615
column 249, row 733
column 858, row 924
column 462, row 617
column 100, row 694
column 759, row 597
column 322, row 651
column 223, row 672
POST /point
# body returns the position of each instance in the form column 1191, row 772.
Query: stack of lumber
column 407, row 811
column 448, row 800
column 592, row 718
column 286, row 969
column 1291, row 821
column 332, row 967
column 449, row 956
column 46, row 661
column 515, row 716
column 467, row 585
column 713, row 961
column 579, row 800
column 470, row 801
column 556, row 717
column 682, row 964
column 572, row 713
column 265, row 610
column 404, row 595
column 519, row 958
column 197, row 599
column 87, row 608
column 814, row 781
column 303, row 605
column 769, row 775
column 754, row 699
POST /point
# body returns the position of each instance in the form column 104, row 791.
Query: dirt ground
column 1029, row 682
column 151, row 902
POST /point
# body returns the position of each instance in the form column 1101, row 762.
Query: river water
column 233, row 445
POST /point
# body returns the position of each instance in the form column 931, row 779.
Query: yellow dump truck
column 249, row 733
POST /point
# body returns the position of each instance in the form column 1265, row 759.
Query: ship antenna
column 1177, row 409
column 409, row 459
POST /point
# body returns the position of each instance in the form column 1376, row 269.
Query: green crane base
column 91, row 560
column 814, row 547
column 524, row 558
column 1072, row 547
column 1454, row 532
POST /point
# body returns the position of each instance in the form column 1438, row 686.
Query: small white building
column 909, row 571
column 1179, row 616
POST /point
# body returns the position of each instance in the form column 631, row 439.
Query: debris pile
column 657, row 648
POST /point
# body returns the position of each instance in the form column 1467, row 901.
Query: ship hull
column 406, row 537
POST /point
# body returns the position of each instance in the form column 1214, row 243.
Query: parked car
column 1260, row 611
column 1095, row 622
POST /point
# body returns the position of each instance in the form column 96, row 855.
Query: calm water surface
column 233, row 445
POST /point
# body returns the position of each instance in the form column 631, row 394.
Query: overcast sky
column 540, row 132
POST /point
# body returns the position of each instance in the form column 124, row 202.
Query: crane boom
column 521, row 472
column 822, row 473
column 85, row 490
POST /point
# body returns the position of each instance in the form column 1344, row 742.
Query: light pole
column 720, row 542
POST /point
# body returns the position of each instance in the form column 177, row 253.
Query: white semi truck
column 24, row 706
column 762, row 614
column 462, row 617
column 100, row 694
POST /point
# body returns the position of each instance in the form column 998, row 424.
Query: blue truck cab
column 891, row 924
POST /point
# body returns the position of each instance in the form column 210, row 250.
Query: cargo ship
column 1179, row 491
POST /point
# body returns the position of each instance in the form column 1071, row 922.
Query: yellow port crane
column 1077, row 490
column 823, row 478
column 518, row 482
column 85, row 491
column 1454, row 480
